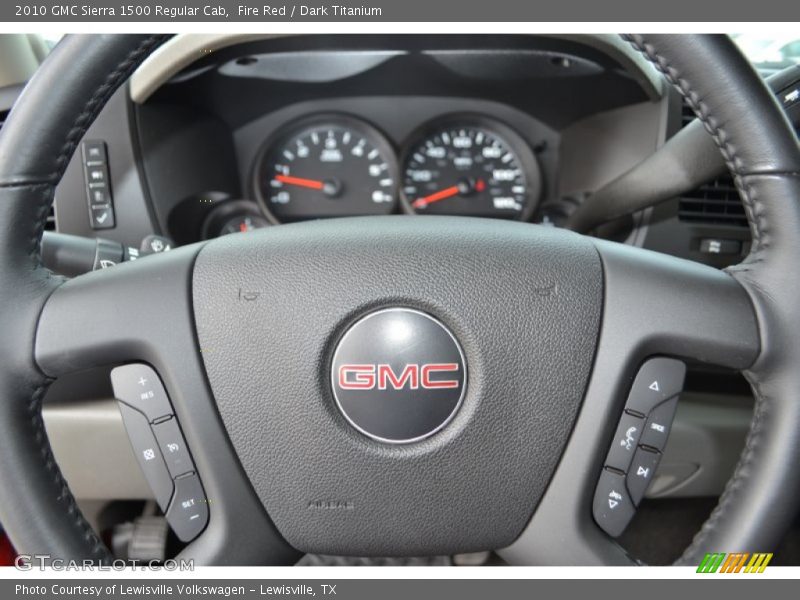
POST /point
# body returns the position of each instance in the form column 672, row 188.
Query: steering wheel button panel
column 160, row 448
column 148, row 454
column 139, row 386
column 188, row 512
column 654, row 396
column 625, row 441
column 173, row 447
column 641, row 473
column 613, row 507
column 98, row 194
column 658, row 379
column 657, row 428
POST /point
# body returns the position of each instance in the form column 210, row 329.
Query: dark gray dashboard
column 192, row 145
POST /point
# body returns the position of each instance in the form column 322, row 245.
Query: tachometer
column 327, row 166
column 471, row 166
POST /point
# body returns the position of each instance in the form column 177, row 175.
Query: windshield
column 770, row 52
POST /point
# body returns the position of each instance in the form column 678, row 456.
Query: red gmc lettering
column 386, row 375
column 367, row 377
column 429, row 383
column 357, row 377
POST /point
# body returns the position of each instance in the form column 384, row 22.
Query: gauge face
column 471, row 167
column 332, row 166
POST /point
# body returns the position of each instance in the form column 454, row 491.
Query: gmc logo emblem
column 413, row 376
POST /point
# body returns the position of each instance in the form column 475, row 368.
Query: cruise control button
column 625, row 441
column 147, row 453
column 657, row 380
column 188, row 512
column 656, row 430
column 138, row 386
column 612, row 506
column 173, row 447
column 641, row 473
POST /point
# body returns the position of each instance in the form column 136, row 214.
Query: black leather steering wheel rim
column 761, row 151
column 36, row 506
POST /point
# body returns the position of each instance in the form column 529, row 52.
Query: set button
column 188, row 512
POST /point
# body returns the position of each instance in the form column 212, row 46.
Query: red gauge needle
column 453, row 190
column 300, row 181
column 464, row 187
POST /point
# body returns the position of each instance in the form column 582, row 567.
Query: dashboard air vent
column 716, row 202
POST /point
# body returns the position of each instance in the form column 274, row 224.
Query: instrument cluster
column 336, row 165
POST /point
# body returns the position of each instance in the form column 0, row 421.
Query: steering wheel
column 544, row 331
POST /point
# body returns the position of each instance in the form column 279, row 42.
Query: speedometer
column 473, row 167
column 326, row 166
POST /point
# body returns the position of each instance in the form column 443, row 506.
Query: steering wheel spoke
column 654, row 306
column 141, row 312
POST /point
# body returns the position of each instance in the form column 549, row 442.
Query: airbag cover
column 524, row 303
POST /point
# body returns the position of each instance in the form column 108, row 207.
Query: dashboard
column 270, row 131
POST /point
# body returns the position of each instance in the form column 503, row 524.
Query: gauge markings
column 466, row 170
column 328, row 168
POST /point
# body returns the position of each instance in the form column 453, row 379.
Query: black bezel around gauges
column 322, row 188
column 441, row 174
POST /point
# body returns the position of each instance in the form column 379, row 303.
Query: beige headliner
column 182, row 50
